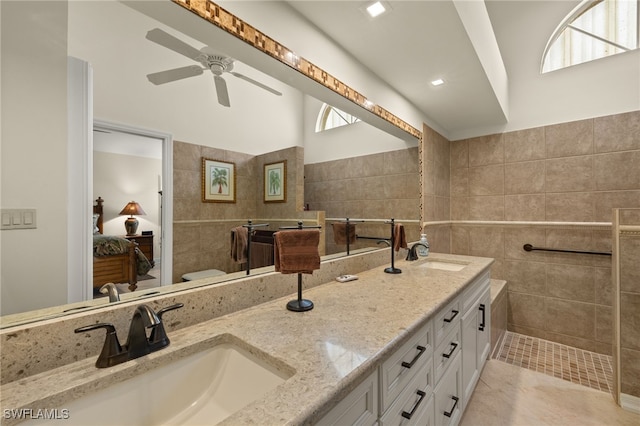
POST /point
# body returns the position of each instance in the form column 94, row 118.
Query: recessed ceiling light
column 376, row 9
column 437, row 82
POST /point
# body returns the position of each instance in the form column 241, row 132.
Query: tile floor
column 509, row 395
column 564, row 362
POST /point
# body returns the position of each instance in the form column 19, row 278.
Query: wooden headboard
column 97, row 208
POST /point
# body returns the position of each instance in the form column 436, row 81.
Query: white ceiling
column 418, row 41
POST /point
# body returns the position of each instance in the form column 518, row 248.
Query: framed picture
column 218, row 181
column 275, row 182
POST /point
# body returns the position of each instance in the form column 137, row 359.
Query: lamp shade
column 132, row 208
column 131, row 224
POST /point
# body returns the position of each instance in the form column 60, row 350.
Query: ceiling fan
column 209, row 60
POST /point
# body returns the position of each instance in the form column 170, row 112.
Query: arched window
column 593, row 30
column 331, row 117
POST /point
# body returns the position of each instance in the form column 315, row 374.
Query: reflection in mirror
column 355, row 171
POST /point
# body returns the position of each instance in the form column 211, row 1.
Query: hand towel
column 400, row 239
column 239, row 242
column 296, row 251
column 340, row 233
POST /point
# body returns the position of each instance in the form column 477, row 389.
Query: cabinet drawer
column 360, row 407
column 446, row 319
column 414, row 405
column 398, row 370
column 446, row 351
column 448, row 395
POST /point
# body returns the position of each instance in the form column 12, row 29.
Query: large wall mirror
column 364, row 171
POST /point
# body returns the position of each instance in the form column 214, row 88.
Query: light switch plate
column 18, row 219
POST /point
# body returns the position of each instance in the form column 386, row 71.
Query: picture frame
column 218, row 181
column 275, row 182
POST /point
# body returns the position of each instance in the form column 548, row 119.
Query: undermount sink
column 203, row 388
column 444, row 265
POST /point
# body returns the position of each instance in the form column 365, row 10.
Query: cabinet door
column 470, row 371
column 360, row 407
column 476, row 342
column 484, row 328
column 448, row 395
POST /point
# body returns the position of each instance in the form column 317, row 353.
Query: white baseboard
column 630, row 403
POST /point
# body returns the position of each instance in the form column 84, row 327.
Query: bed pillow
column 96, row 230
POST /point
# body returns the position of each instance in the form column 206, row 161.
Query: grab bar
column 529, row 247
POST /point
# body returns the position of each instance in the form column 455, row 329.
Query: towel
column 400, row 239
column 296, row 251
column 239, row 241
column 340, row 233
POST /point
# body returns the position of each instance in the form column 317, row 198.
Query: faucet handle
column 169, row 308
column 159, row 336
column 111, row 348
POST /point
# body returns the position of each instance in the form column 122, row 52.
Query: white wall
column 34, row 141
column 257, row 121
column 354, row 140
column 119, row 179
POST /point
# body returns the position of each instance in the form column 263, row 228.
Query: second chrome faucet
column 139, row 343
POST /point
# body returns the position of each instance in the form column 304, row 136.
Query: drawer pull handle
column 454, row 345
column 482, row 323
column 406, row 364
column 455, row 403
column 415, row 407
column 455, row 314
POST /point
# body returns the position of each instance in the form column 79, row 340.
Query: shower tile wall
column 199, row 243
column 376, row 186
column 569, row 172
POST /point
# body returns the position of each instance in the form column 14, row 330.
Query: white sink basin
column 203, row 388
column 445, row 265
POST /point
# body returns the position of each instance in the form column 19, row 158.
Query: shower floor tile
column 554, row 359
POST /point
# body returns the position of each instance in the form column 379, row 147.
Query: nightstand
column 145, row 244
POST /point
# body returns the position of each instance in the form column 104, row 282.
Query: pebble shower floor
column 565, row 362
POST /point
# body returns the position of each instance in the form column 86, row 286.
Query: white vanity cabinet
column 430, row 378
column 476, row 333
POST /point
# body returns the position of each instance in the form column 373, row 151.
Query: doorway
column 135, row 164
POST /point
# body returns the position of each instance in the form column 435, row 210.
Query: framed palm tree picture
column 218, row 181
column 275, row 182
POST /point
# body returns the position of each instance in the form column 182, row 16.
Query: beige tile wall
column 438, row 187
column 201, row 231
column 377, row 186
column 569, row 172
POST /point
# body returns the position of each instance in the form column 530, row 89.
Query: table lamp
column 131, row 224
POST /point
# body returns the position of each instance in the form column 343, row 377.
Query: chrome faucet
column 112, row 291
column 412, row 255
column 138, row 344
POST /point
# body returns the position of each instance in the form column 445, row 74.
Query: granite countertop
column 365, row 320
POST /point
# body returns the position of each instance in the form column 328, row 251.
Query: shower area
column 552, row 187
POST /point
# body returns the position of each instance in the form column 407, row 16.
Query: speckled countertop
column 367, row 319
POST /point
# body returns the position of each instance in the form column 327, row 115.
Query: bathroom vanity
column 384, row 349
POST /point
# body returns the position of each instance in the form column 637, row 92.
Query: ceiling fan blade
column 170, row 42
column 257, row 83
column 168, row 76
column 221, row 90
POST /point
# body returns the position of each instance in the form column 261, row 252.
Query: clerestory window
column 593, row 30
column 331, row 117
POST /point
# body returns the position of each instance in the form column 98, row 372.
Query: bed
column 115, row 259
